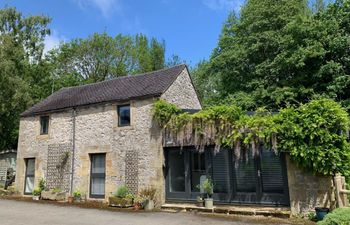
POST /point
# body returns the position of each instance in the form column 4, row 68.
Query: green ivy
column 315, row 134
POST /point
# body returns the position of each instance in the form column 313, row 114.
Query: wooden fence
column 341, row 194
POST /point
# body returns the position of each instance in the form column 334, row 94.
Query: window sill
column 43, row 137
column 116, row 128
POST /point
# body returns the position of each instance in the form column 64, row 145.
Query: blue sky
column 190, row 28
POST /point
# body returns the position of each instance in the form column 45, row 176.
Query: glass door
column 245, row 178
column 197, row 172
column 29, row 176
column 273, row 177
column 176, row 174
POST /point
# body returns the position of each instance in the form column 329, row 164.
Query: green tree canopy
column 21, row 49
column 278, row 53
column 101, row 57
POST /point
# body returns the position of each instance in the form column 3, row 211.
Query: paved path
column 26, row 213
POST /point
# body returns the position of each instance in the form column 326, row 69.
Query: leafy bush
column 42, row 184
column 339, row 216
column 77, row 194
column 163, row 111
column 37, row 192
column 315, row 136
column 121, row 192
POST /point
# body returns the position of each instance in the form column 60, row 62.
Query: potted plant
column 200, row 201
column 208, row 187
column 36, row 194
column 70, row 199
column 121, row 198
column 138, row 202
column 77, row 196
column 149, row 196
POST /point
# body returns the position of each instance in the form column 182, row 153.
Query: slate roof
column 145, row 85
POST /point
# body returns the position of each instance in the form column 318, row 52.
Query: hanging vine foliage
column 315, row 134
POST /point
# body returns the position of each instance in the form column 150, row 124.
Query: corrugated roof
column 120, row 89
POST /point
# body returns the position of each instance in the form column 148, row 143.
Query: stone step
column 280, row 212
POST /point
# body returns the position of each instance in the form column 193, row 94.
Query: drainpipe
column 74, row 114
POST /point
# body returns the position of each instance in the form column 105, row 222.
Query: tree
column 279, row 53
column 102, row 57
column 21, row 51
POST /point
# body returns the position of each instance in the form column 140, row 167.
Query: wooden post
column 344, row 194
column 338, row 189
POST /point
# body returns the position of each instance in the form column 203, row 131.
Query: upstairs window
column 123, row 115
column 44, row 125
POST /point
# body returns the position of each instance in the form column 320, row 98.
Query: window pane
column 30, row 167
column 44, row 123
column 271, row 169
column 98, row 163
column 98, row 175
column 220, row 171
column 98, row 186
column 245, row 173
column 29, row 185
column 198, row 174
column 176, row 171
column 124, row 115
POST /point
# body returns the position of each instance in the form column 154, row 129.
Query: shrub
column 148, row 193
column 42, row 184
column 77, row 194
column 37, row 192
column 121, row 192
column 339, row 216
column 208, row 187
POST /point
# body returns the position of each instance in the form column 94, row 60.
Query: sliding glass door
column 251, row 179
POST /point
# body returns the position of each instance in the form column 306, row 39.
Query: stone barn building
column 99, row 136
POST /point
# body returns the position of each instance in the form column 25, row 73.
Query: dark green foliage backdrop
column 278, row 53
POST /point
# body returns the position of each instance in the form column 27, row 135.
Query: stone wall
column 33, row 145
column 182, row 93
column 307, row 190
column 136, row 147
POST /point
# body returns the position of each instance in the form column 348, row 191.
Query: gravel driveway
column 26, row 213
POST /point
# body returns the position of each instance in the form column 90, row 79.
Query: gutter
column 74, row 114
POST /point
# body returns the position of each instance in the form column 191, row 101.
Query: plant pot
column 200, row 204
column 149, row 205
column 321, row 213
column 119, row 202
column 36, row 197
column 137, row 206
column 209, row 203
column 77, row 199
column 70, row 199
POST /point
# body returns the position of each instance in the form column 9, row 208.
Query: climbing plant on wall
column 315, row 134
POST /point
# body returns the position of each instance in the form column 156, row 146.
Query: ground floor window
column 98, row 175
column 29, row 176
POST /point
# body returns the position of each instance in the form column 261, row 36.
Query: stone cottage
column 99, row 136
